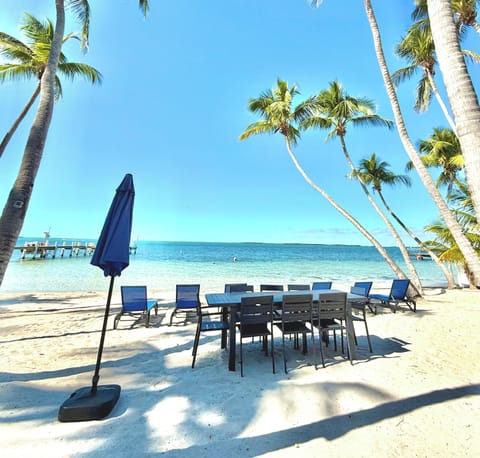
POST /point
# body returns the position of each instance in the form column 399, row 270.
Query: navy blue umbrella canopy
column 112, row 256
column 112, row 250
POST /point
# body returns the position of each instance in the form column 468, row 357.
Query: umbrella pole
column 96, row 376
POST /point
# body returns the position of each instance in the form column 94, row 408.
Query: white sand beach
column 417, row 394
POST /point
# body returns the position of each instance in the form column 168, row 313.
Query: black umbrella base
column 83, row 405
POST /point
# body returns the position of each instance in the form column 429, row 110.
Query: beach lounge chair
column 398, row 294
column 256, row 320
column 187, row 299
column 206, row 324
column 322, row 285
column 135, row 302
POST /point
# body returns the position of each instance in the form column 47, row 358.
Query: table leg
column 232, row 339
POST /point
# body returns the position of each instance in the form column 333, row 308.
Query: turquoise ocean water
column 161, row 265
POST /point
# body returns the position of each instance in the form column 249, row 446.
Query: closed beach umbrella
column 112, row 256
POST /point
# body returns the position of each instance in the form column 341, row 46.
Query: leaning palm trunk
column 471, row 257
column 347, row 215
column 15, row 209
column 461, row 93
column 440, row 101
column 19, row 119
column 416, row 283
column 448, row 274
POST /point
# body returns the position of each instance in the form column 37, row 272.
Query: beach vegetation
column 334, row 110
column 465, row 107
column 278, row 115
column 376, row 173
column 15, row 209
column 443, row 244
column 28, row 60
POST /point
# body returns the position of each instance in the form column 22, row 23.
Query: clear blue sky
column 174, row 101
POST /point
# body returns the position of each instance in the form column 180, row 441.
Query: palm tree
column 462, row 97
column 29, row 61
column 418, row 49
column 279, row 116
column 471, row 257
column 376, row 173
column 442, row 149
column 334, row 110
column 465, row 12
column 14, row 211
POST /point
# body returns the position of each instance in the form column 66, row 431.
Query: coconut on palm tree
column 334, row 110
column 28, row 60
column 15, row 209
column 376, row 173
column 279, row 115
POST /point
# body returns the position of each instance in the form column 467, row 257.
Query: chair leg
column 321, row 348
column 366, row 330
column 195, row 346
column 241, row 357
column 272, row 351
column 116, row 320
column 284, row 355
column 172, row 315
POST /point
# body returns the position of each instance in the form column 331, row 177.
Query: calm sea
column 161, row 265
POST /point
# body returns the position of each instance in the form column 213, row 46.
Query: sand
column 417, row 394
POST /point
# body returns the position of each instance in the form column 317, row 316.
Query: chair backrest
column 399, row 289
column 238, row 288
column 332, row 305
column 296, row 307
column 298, row 287
column 322, row 285
column 365, row 285
column 134, row 298
column 256, row 310
column 187, row 296
column 271, row 287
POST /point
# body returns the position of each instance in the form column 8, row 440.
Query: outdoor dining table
column 230, row 302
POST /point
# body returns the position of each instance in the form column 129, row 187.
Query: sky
column 173, row 102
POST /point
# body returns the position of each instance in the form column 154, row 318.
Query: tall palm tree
column 28, row 60
column 278, row 115
column 15, row 209
column 442, row 149
column 334, row 110
column 465, row 12
column 461, row 94
column 418, row 50
column 471, row 257
column 376, row 173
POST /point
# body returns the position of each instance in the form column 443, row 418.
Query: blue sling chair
column 398, row 294
column 135, row 302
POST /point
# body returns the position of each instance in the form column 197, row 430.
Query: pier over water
column 45, row 249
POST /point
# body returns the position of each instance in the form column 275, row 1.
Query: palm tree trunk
column 441, row 103
column 15, row 209
column 448, row 274
column 471, row 257
column 19, row 119
column 461, row 93
column 416, row 283
column 347, row 215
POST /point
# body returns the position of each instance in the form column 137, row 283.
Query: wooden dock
column 41, row 250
